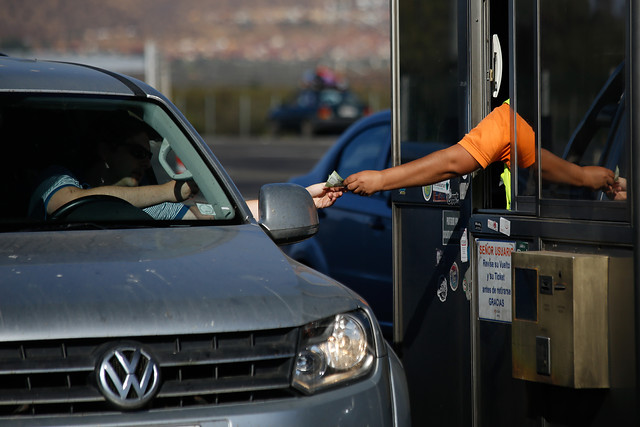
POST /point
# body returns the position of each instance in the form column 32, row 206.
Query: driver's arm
column 140, row 197
column 322, row 196
column 253, row 207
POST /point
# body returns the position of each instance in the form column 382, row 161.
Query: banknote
column 334, row 180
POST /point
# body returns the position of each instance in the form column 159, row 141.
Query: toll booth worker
column 488, row 142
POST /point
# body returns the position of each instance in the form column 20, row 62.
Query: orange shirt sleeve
column 490, row 140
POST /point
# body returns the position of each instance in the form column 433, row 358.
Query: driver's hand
column 619, row 190
column 183, row 190
column 323, row 197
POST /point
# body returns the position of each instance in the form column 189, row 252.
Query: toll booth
column 522, row 313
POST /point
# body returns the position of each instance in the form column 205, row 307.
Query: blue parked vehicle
column 316, row 110
column 354, row 242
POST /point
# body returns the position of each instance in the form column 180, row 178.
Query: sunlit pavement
column 254, row 161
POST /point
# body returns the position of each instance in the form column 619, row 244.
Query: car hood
column 156, row 281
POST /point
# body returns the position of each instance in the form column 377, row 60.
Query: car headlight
column 333, row 350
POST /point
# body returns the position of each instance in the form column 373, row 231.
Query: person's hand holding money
column 619, row 189
column 365, row 182
column 324, row 196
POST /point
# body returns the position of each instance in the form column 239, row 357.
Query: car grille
column 38, row 378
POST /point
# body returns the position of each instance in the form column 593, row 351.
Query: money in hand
column 334, row 180
column 617, row 174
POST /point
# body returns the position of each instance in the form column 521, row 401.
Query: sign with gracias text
column 494, row 279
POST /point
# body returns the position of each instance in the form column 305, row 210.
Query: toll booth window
column 432, row 73
column 581, row 93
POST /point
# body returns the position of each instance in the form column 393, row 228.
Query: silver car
column 185, row 312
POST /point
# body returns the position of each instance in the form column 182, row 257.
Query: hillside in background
column 215, row 52
column 254, row 30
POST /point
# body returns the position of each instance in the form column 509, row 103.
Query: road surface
column 254, row 161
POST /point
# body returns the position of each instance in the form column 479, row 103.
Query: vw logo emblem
column 128, row 376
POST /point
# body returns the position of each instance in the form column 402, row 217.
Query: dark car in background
column 354, row 243
column 317, row 110
column 112, row 317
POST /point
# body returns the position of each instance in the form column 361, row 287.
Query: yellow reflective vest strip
column 506, row 180
column 506, row 176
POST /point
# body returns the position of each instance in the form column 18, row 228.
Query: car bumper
column 334, row 124
column 380, row 400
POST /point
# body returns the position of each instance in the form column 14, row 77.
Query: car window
column 368, row 150
column 90, row 143
column 330, row 97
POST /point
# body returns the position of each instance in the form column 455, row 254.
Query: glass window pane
column 525, row 89
column 582, row 47
column 431, row 75
column 87, row 141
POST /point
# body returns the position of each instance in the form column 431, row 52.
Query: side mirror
column 287, row 213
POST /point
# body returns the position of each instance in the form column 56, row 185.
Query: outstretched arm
column 430, row 169
column 141, row 197
column 323, row 197
column 556, row 169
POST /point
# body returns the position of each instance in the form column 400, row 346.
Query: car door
column 355, row 234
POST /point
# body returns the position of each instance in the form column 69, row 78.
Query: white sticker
column 466, row 288
column 442, row 289
column 463, row 190
column 205, row 209
column 464, row 247
column 443, row 187
column 466, row 284
column 505, row 226
column 492, row 225
column 494, row 279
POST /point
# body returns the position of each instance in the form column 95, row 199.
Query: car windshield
column 79, row 159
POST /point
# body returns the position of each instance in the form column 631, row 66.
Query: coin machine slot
column 559, row 329
column 546, row 285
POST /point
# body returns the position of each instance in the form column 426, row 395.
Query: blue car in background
column 314, row 110
column 354, row 243
column 354, row 240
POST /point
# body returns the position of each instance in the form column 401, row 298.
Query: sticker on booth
column 494, row 279
column 426, row 192
column 453, row 277
column 442, row 289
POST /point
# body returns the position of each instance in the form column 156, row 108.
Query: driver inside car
column 116, row 168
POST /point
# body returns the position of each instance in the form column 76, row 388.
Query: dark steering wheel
column 99, row 208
